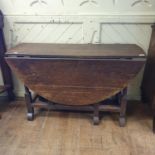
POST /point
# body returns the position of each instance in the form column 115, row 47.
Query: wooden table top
column 76, row 50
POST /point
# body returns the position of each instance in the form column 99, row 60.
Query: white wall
column 79, row 21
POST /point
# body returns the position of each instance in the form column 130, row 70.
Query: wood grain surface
column 59, row 133
column 148, row 84
column 75, row 82
column 76, row 74
column 76, row 50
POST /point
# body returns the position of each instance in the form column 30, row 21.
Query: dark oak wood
column 6, row 72
column 148, row 82
column 96, row 117
column 77, row 50
column 77, row 75
column 30, row 109
column 104, row 106
column 81, row 82
column 123, row 104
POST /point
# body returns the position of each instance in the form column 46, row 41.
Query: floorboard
column 61, row 133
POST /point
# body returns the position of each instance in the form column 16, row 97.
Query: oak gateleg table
column 76, row 76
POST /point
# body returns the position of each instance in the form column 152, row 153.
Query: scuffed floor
column 61, row 133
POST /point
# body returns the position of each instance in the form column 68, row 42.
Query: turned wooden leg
column 118, row 98
column 123, row 106
column 96, row 117
column 30, row 109
column 11, row 95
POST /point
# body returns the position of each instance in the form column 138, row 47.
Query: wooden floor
column 59, row 133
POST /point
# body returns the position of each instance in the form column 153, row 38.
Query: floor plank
column 61, row 133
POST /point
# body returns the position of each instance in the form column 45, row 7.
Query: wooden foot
column 96, row 117
column 30, row 109
column 122, row 121
column 30, row 116
column 96, row 120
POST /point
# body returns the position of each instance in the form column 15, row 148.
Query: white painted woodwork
column 79, row 21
